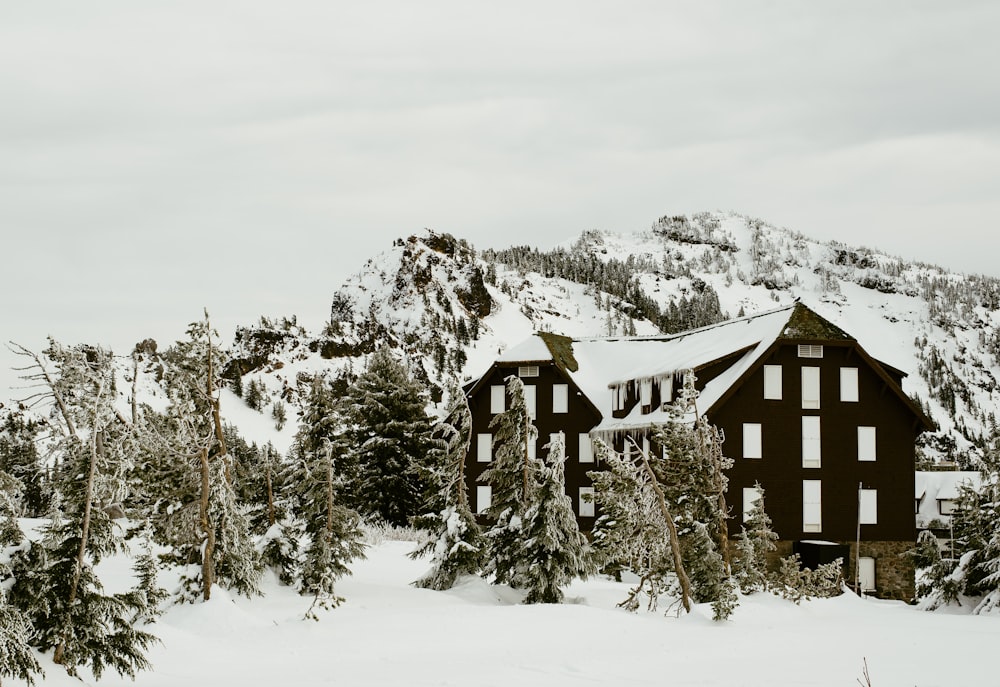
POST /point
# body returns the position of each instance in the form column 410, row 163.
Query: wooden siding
column 579, row 419
column 780, row 469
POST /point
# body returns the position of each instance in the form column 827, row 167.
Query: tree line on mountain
column 620, row 280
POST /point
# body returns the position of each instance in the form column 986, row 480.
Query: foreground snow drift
column 389, row 633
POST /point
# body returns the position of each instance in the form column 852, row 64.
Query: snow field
column 390, row 633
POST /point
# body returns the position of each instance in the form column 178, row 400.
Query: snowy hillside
column 451, row 310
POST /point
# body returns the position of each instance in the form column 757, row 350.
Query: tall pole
column 857, row 549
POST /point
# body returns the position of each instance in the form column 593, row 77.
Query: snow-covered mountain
column 450, row 310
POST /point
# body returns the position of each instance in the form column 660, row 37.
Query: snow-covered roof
column 531, row 350
column 599, row 364
column 931, row 487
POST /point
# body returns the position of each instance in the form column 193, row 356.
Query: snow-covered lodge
column 824, row 428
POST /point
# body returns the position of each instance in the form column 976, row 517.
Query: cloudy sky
column 246, row 156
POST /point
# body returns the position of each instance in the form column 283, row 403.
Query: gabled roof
column 597, row 364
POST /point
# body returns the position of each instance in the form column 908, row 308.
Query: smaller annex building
column 824, row 428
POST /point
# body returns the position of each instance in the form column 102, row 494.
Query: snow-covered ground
column 389, row 633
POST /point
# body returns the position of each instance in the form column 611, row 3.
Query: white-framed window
column 560, row 398
column 811, row 454
column 751, row 495
column 618, row 397
column 772, row 382
column 527, row 371
column 812, row 506
column 810, row 351
column 498, row 399
column 752, row 441
column 868, row 506
column 849, row 384
column 666, row 391
column 810, row 388
column 586, row 449
column 484, row 448
column 530, row 400
column 866, row 443
column 586, row 507
column 532, row 448
column 645, row 445
column 646, row 392
column 484, row 497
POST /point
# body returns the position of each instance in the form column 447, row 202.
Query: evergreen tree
column 513, row 480
column 757, row 540
column 221, row 549
column 19, row 458
column 390, row 436
column 555, row 550
column 16, row 658
column 636, row 529
column 333, row 529
column 455, row 538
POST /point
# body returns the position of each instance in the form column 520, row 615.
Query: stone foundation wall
column 894, row 571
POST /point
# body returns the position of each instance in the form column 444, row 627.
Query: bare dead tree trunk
column 270, row 490
column 208, row 553
column 461, row 496
column 675, row 544
column 329, row 491
column 135, row 388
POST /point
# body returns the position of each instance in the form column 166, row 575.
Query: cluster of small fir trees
column 219, row 508
column 532, row 541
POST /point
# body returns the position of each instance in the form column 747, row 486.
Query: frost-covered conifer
column 455, row 539
column 16, row 658
column 331, row 528
column 513, row 478
column 757, row 539
column 390, row 437
column 555, row 551
column 632, row 531
column 222, row 549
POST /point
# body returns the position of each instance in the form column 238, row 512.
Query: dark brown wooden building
column 824, row 428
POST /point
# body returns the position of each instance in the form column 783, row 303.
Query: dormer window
column 646, row 394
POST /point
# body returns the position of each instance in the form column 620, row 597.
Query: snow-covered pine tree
column 455, row 539
column 689, row 466
column 555, row 550
column 222, row 549
column 16, row 657
column 55, row 582
column 390, row 437
column 19, row 458
column 636, row 529
column 333, row 530
column 513, row 479
column 757, row 540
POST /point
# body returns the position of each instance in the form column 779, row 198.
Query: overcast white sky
column 246, row 156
